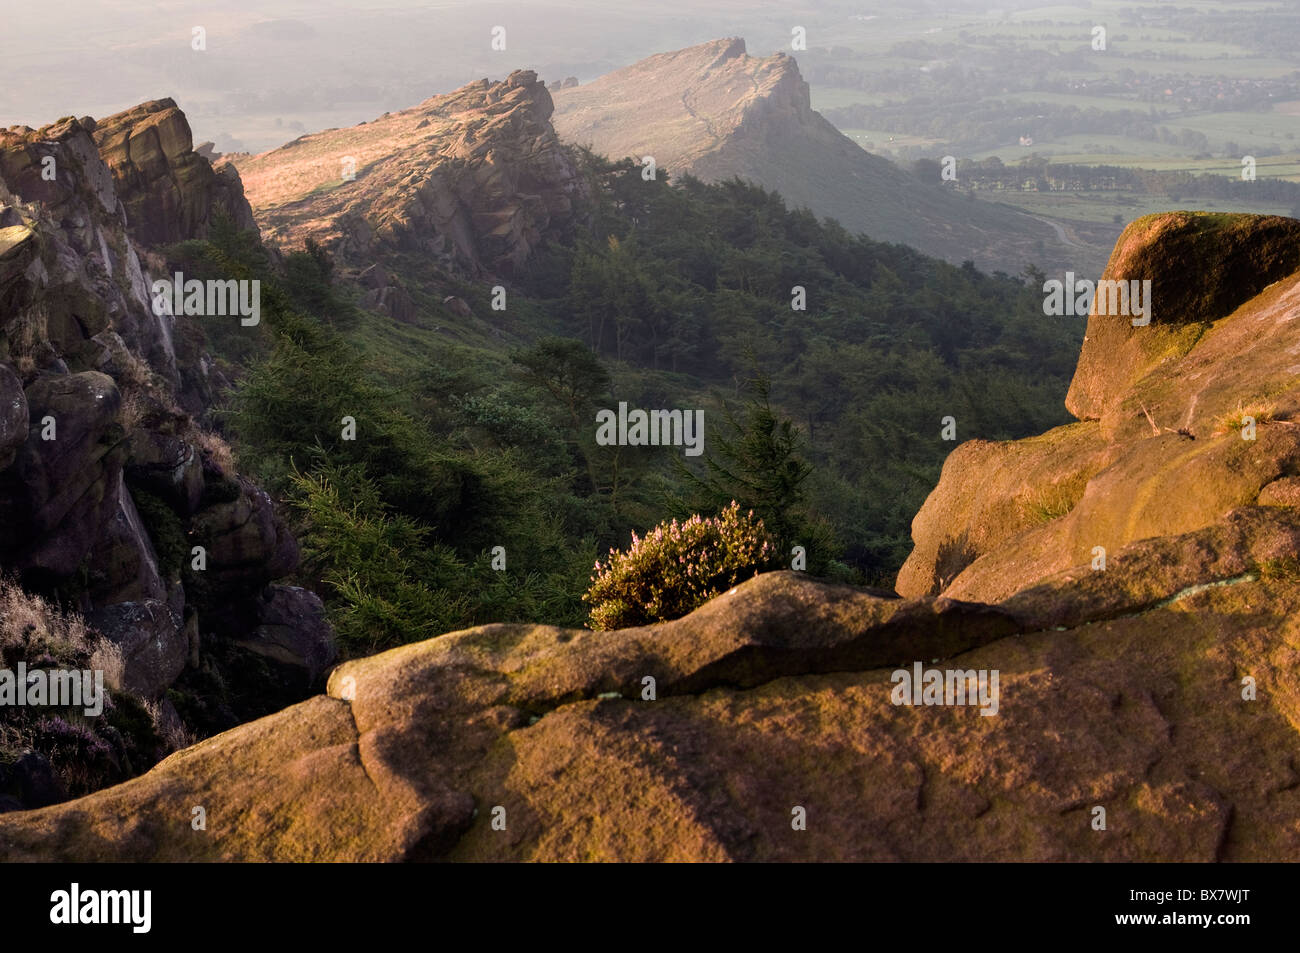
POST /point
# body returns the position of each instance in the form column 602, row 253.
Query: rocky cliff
column 1160, row 685
column 109, row 473
column 169, row 191
column 715, row 112
column 471, row 180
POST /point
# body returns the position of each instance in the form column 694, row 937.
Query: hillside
column 1160, row 686
column 679, row 291
column 472, row 180
column 715, row 112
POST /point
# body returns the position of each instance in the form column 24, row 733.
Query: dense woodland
column 825, row 421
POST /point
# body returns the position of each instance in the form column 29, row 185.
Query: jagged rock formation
column 716, row 112
column 1120, row 688
column 473, row 179
column 169, row 190
column 106, row 479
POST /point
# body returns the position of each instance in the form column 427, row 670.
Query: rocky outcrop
column 473, row 179
column 104, row 487
column 1201, row 267
column 154, row 645
column 1163, row 446
column 385, row 295
column 292, row 630
column 247, row 542
column 75, row 273
column 169, row 190
column 715, row 112
column 515, row 742
column 59, row 494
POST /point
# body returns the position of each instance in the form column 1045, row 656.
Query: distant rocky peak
column 473, row 180
column 716, row 112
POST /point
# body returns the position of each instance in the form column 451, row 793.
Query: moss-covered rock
column 1202, row 267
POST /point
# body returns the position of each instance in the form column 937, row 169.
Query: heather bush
column 677, row 567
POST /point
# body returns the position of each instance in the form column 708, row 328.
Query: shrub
column 32, row 629
column 677, row 567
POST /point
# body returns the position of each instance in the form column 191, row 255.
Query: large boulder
column 1184, row 420
column 247, row 542
column 154, row 644
column 1201, row 267
column 292, row 630
column 775, row 696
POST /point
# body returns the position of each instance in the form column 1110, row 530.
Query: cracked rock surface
column 773, row 696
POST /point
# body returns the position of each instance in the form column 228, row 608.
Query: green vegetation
column 1258, row 412
column 165, row 531
column 475, row 491
column 1053, row 502
column 678, row 567
column 1281, row 569
column 1187, row 90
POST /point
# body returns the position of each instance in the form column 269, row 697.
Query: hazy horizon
column 314, row 65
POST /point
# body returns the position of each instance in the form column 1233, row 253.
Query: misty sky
column 276, row 68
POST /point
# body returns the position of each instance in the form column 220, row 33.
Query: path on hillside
column 1060, row 232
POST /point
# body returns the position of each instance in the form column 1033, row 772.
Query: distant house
column 1026, row 140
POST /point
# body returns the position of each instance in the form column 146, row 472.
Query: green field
column 1147, row 39
column 1193, row 85
column 1100, row 208
column 1093, row 149
column 1271, row 128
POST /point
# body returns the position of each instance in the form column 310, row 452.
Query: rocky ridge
column 471, row 180
column 170, row 192
column 715, row 112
